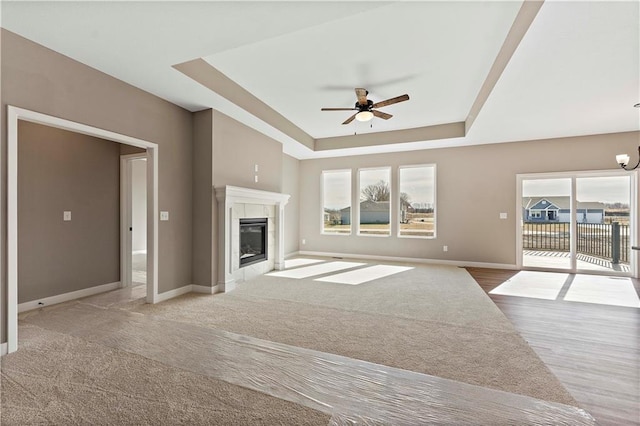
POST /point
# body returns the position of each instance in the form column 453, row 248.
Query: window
column 417, row 201
column 336, row 202
column 375, row 202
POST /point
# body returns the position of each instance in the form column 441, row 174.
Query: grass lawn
column 415, row 228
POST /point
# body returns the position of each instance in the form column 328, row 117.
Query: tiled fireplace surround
column 235, row 203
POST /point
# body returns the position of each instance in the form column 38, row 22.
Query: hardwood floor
column 594, row 350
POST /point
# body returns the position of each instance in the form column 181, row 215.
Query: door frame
column 126, row 210
column 633, row 215
column 14, row 114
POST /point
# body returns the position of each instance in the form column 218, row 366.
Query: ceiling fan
column 365, row 107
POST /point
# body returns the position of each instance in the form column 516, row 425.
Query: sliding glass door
column 602, row 223
column 577, row 222
column 546, row 225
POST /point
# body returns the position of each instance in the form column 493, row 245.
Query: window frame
column 435, row 202
column 359, row 191
column 322, row 196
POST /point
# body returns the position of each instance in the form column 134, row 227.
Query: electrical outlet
column 164, row 215
column 503, row 215
column 256, row 178
column 445, row 248
column 66, row 216
column 304, row 241
column 255, row 168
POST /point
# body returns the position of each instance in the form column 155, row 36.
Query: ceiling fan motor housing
column 363, row 107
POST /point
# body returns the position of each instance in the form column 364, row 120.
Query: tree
column 405, row 201
column 380, row 192
column 375, row 192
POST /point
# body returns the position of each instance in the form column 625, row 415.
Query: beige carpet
column 433, row 320
column 63, row 380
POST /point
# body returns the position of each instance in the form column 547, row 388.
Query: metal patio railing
column 605, row 240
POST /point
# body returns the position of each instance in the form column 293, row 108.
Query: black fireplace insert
column 253, row 241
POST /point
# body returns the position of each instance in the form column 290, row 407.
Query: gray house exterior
column 558, row 209
column 370, row 212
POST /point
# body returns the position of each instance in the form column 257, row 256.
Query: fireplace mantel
column 236, row 194
column 234, row 203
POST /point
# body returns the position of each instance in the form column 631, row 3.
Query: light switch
column 66, row 216
column 503, row 215
column 164, row 215
column 255, row 168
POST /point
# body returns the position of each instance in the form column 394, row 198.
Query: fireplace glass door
column 253, row 241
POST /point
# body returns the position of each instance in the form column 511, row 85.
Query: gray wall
column 139, row 204
column 225, row 153
column 291, row 186
column 481, row 179
column 41, row 80
column 237, row 148
column 203, row 198
column 63, row 171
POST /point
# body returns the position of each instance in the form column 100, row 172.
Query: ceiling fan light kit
column 364, row 116
column 366, row 107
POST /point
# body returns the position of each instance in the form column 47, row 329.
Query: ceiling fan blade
column 338, row 109
column 391, row 101
column 350, row 119
column 362, row 95
column 381, row 114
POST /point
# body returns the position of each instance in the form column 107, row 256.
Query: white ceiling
column 576, row 71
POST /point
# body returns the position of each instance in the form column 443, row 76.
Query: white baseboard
column 3, row 349
column 173, row 293
column 191, row 288
column 460, row 263
column 292, row 254
column 204, row 289
column 225, row 287
column 52, row 300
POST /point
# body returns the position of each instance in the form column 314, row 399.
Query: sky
column 418, row 182
column 337, row 189
column 603, row 189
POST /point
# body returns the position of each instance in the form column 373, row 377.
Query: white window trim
column 358, row 233
column 435, row 203
column 322, row 231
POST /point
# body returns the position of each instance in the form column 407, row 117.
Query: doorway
column 133, row 214
column 14, row 114
column 577, row 222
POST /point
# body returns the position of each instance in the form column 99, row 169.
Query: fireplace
column 253, row 241
column 235, row 204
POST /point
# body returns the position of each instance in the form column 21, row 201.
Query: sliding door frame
column 633, row 216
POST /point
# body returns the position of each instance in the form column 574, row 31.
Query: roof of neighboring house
column 371, row 206
column 561, row 203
